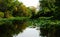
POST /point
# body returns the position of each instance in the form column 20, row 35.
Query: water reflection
column 10, row 29
column 16, row 27
column 53, row 31
column 29, row 32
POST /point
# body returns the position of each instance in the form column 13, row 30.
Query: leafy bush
column 1, row 14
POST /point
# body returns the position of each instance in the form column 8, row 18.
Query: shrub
column 1, row 14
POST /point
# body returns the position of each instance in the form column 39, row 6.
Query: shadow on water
column 10, row 29
column 53, row 31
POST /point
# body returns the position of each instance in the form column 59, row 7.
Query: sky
column 28, row 3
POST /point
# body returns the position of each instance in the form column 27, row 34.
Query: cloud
column 34, row 3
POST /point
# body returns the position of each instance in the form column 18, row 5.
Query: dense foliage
column 13, row 8
column 50, row 27
column 13, row 16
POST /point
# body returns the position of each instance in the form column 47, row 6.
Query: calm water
column 29, row 32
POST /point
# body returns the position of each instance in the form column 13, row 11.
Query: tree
column 51, row 8
column 33, row 11
column 47, row 7
column 14, row 8
column 6, row 5
column 57, row 11
column 21, row 10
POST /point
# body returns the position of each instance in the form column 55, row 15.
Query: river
column 29, row 32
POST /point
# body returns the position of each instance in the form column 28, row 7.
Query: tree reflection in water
column 12, row 28
column 53, row 31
